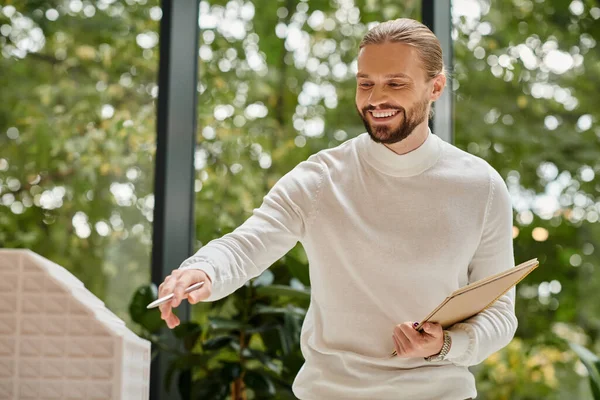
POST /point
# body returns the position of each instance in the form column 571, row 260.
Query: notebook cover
column 476, row 297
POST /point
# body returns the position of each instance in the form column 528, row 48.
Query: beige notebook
column 469, row 300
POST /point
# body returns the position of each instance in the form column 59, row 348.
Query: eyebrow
column 389, row 76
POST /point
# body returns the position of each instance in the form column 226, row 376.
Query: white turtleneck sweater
column 388, row 237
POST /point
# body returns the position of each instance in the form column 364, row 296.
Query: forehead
column 390, row 58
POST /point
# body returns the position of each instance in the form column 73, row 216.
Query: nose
column 377, row 96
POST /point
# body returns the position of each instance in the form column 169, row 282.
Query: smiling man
column 392, row 221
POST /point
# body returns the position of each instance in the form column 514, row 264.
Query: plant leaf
column 189, row 361
column 591, row 361
column 217, row 343
column 217, row 323
column 149, row 319
column 210, row 388
column 184, row 383
column 286, row 340
column 293, row 327
column 231, row 371
column 183, row 363
column 263, row 358
column 260, row 383
column 269, row 326
column 296, row 311
column 283, row 290
column 189, row 332
column 297, row 269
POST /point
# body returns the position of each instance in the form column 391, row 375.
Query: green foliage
column 77, row 143
column 138, row 312
column 525, row 371
column 592, row 364
column 77, row 139
column 534, row 119
column 244, row 343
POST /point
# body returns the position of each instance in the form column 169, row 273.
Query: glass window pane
column 277, row 84
column 77, row 138
column 525, row 84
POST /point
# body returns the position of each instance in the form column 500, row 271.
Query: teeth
column 384, row 114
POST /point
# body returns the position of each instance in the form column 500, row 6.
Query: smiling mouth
column 383, row 116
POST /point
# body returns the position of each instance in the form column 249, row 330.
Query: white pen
column 162, row 300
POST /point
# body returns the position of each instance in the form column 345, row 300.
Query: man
column 392, row 222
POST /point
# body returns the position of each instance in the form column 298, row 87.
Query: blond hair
column 412, row 33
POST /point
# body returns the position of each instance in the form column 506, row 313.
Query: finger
column 199, row 294
column 403, row 340
column 433, row 329
column 172, row 321
column 410, row 332
column 165, row 309
column 184, row 280
column 404, row 332
column 166, row 288
column 398, row 346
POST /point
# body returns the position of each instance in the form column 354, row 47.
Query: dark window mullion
column 436, row 14
column 173, row 224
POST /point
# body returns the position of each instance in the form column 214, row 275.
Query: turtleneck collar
column 401, row 165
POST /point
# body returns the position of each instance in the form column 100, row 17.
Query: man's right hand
column 176, row 283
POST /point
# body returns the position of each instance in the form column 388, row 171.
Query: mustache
column 385, row 106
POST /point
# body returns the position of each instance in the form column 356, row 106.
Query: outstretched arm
column 272, row 230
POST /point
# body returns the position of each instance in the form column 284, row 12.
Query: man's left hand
column 412, row 343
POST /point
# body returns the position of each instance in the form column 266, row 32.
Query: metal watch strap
column 445, row 349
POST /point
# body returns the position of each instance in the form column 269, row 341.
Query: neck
column 413, row 141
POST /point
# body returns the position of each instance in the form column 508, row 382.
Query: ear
column 439, row 83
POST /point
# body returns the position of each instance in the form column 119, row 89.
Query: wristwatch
column 445, row 349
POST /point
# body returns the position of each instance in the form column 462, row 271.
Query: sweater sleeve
column 492, row 329
column 270, row 232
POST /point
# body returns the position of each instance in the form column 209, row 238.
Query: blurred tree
column 276, row 85
column 524, row 77
column 77, row 137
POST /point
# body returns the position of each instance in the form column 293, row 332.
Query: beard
column 386, row 134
